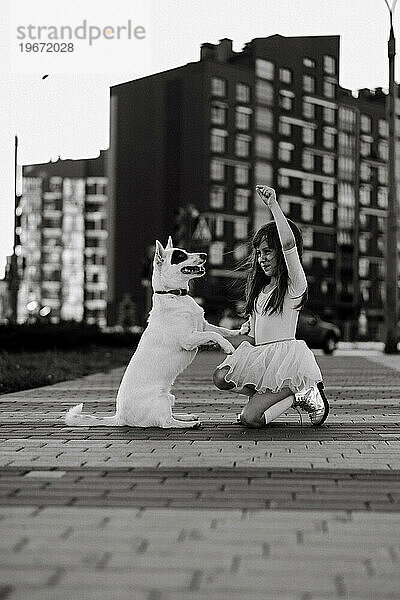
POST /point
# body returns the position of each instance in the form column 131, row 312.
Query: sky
column 66, row 114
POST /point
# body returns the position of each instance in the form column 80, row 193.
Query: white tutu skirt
column 289, row 363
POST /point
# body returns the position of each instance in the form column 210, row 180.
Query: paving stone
column 221, row 512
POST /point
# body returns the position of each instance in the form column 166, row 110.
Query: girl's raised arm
column 297, row 278
column 268, row 196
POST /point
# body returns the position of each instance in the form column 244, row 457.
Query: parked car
column 316, row 332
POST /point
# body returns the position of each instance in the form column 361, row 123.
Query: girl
column 278, row 371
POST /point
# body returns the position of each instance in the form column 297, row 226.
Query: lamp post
column 391, row 307
column 14, row 274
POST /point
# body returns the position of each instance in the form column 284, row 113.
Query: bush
column 67, row 335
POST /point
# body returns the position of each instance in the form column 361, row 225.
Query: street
column 288, row 512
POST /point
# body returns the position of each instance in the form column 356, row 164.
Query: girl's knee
column 249, row 419
column 220, row 381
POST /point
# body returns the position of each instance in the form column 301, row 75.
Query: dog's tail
column 75, row 417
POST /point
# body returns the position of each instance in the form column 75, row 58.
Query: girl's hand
column 267, row 194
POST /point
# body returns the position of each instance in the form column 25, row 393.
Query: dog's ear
column 169, row 244
column 159, row 255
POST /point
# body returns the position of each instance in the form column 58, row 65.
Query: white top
column 280, row 326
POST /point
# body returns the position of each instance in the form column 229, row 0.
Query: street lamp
column 391, row 308
column 14, row 274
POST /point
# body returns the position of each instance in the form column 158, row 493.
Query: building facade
column 204, row 134
column 62, row 250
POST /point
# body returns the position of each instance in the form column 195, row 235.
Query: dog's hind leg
column 178, row 424
column 185, row 416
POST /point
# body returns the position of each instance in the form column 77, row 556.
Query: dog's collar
column 176, row 292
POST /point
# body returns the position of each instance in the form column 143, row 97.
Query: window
column 383, row 128
column 363, row 267
column 364, row 290
column 328, row 115
column 382, row 197
column 365, row 171
column 242, row 92
column 365, row 195
column 328, row 190
column 345, row 217
column 218, row 140
column 219, row 226
column 307, row 211
column 218, row 113
column 329, row 64
column 216, row 253
column 218, row 86
column 285, row 128
column 217, row 197
column 364, row 220
column 307, row 237
column 264, row 92
column 263, row 173
column 346, row 167
column 264, row 69
column 381, row 223
column 329, row 89
column 380, row 244
column 328, row 165
column 308, row 135
column 240, row 251
column 346, row 194
column 307, row 187
column 285, row 75
column 382, row 175
column 283, row 181
column 308, row 62
column 242, row 116
column 264, row 146
column 242, row 145
column 346, row 143
column 347, row 118
column 328, row 212
column 308, row 110
column 365, row 124
column 308, row 160
column 363, row 241
column 264, row 118
column 285, row 101
column 328, row 138
column 241, row 200
column 307, row 260
column 308, row 84
column 241, row 175
column 217, row 170
column 383, row 149
column 365, row 148
column 240, row 229
column 285, row 151
column 324, row 286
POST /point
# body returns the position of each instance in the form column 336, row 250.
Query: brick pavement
column 221, row 512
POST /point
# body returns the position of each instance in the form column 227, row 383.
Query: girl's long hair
column 257, row 279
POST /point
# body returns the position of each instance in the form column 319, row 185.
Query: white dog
column 176, row 327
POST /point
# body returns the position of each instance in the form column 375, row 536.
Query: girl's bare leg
column 253, row 413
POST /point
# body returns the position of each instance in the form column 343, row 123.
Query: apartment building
column 62, row 246
column 203, row 134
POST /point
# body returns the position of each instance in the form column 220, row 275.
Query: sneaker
column 315, row 402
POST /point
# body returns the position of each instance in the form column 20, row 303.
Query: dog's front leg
column 199, row 338
column 221, row 330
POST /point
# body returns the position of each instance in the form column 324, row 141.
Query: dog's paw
column 227, row 347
